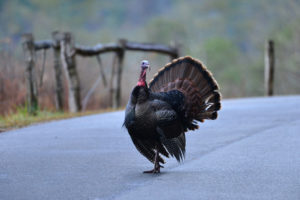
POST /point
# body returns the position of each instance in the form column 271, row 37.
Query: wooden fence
column 65, row 51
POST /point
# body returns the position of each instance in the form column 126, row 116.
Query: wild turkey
column 157, row 117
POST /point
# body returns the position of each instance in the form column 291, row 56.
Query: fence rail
column 103, row 48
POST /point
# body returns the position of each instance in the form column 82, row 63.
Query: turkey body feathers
column 158, row 116
column 154, row 121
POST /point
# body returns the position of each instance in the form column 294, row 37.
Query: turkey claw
column 153, row 171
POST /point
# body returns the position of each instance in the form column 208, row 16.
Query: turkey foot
column 157, row 166
column 155, row 170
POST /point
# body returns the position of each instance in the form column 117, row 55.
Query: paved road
column 251, row 152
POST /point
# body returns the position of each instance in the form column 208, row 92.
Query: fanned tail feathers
column 191, row 77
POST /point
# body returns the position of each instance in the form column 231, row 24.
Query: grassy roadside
column 21, row 118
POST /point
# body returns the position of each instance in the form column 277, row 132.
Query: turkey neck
column 142, row 79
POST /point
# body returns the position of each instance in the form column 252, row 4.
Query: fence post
column 176, row 48
column 68, row 53
column 121, row 53
column 269, row 68
column 31, row 84
column 59, row 90
column 117, row 71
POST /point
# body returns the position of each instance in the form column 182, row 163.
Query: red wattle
column 142, row 79
column 141, row 83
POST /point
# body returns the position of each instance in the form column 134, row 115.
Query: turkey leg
column 157, row 166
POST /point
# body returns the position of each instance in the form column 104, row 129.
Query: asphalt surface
column 252, row 151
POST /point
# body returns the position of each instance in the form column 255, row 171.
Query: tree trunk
column 31, row 84
column 68, row 53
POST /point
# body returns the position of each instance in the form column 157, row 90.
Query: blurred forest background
column 228, row 36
